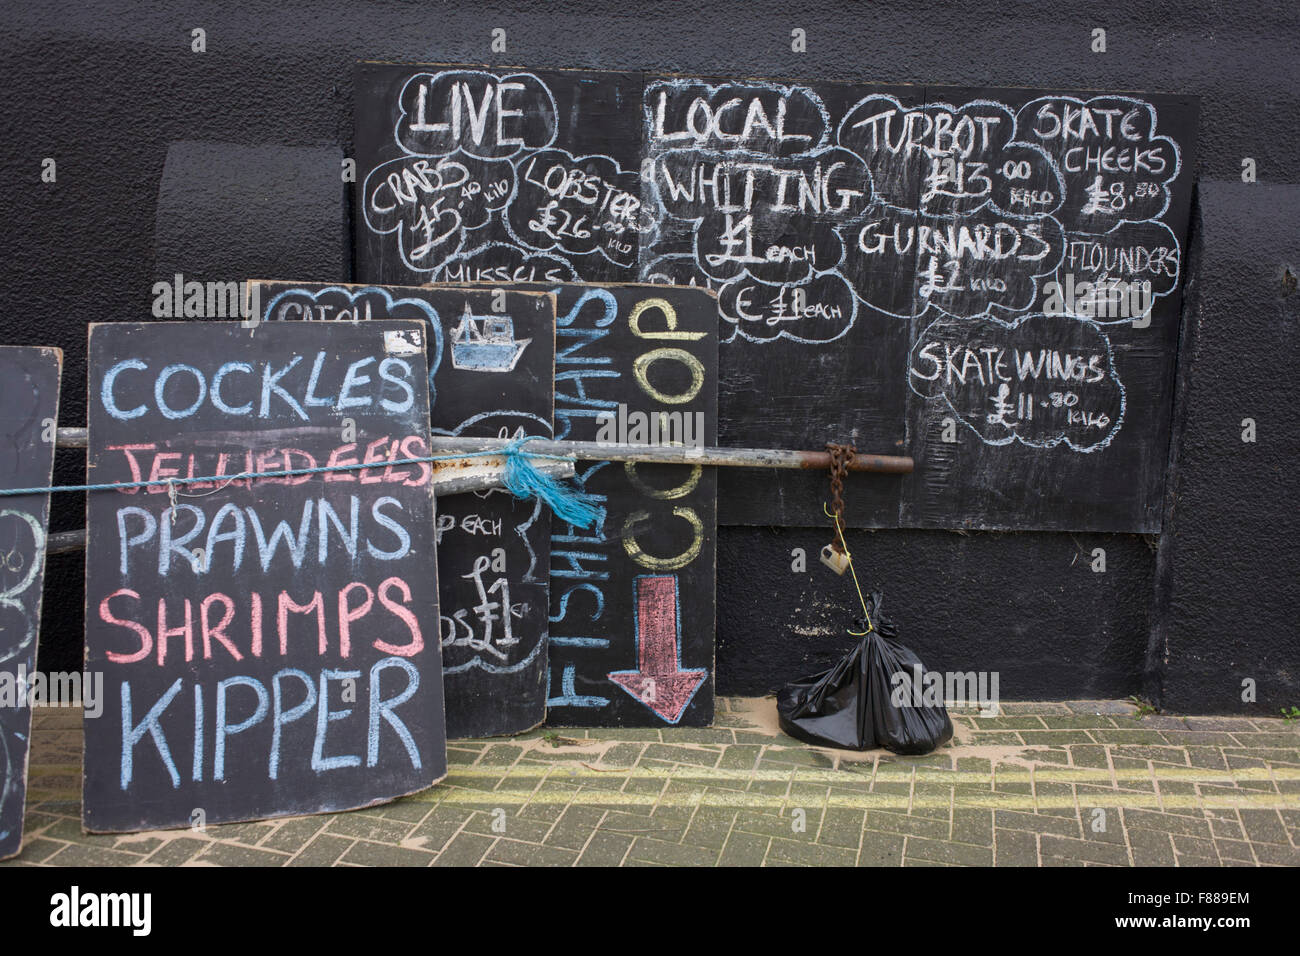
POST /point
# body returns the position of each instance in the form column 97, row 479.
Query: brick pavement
column 1088, row 783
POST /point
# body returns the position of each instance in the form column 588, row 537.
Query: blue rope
column 521, row 478
column 525, row 481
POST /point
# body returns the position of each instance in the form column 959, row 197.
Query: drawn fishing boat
column 485, row 343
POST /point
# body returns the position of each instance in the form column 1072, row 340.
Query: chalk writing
column 268, row 648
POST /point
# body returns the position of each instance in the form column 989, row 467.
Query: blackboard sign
column 632, row 599
column 29, row 408
column 491, row 359
column 268, row 644
column 985, row 279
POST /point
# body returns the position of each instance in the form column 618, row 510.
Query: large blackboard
column 29, row 408
column 493, row 549
column 854, row 234
column 268, row 645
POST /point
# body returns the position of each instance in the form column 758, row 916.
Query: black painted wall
column 256, row 126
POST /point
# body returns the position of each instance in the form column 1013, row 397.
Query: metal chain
column 841, row 455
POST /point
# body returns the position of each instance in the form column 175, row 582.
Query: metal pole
column 678, row 455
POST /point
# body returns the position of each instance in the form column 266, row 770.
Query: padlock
column 837, row 561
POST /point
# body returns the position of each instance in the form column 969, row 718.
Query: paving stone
column 1220, row 723
column 698, row 735
column 1277, row 855
column 673, row 854
column 1167, row 822
column 1283, row 741
column 36, row 851
column 744, row 849
column 710, row 827
column 231, row 854
column 1017, row 848
column 1234, row 850
column 530, row 854
column 780, row 758
column 1040, row 737
column 467, row 849
column 972, row 826
column 691, row 756
column 740, row 757
column 1151, row 847
column 881, row 849
column 324, row 850
column 367, row 827
column 292, row 835
column 1010, row 723
column 623, row 754
column 906, row 825
column 842, row 827
column 605, row 849
column 1199, row 738
column 87, row 855
column 1116, row 707
column 500, row 755
column 791, row 852
column 1226, row 829
column 1263, row 826
column 1080, row 850
column 509, row 826
column 624, row 733
column 942, row 851
column 138, row 844
column 1034, row 823
column 1004, row 738
column 1126, row 736
column 366, row 853
column 1081, row 722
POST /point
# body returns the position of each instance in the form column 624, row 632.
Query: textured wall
column 1225, row 608
column 108, row 90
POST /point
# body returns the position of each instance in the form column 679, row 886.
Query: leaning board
column 632, row 599
column 29, row 409
column 269, row 645
column 493, row 549
column 882, row 255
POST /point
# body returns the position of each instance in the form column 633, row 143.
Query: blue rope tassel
column 524, row 481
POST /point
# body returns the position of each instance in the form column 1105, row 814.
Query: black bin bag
column 858, row 704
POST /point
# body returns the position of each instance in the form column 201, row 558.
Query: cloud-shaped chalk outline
column 353, row 295
column 709, row 89
column 449, row 160
column 1173, row 283
column 598, row 246
column 1149, row 134
column 1012, row 141
column 1013, row 436
column 727, row 157
column 434, row 77
column 738, row 329
column 399, row 224
column 1005, row 309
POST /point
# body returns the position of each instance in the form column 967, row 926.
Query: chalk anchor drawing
column 485, row 343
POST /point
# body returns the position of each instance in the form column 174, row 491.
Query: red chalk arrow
column 659, row 682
